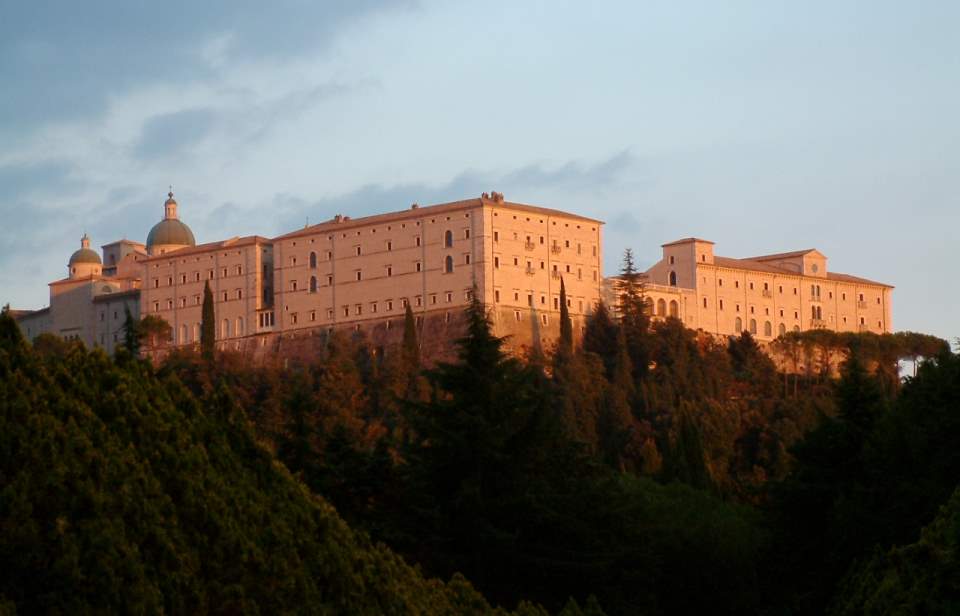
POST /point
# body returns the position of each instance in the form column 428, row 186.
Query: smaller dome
column 85, row 254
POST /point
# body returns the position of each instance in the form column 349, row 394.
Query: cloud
column 170, row 134
column 48, row 48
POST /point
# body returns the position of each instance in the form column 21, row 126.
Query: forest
column 645, row 470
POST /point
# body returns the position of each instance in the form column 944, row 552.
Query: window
column 359, row 275
column 358, row 309
column 183, row 279
column 313, row 284
column 466, row 234
column 293, row 285
column 496, row 236
column 293, row 318
column 721, row 304
column 448, row 239
column 662, row 307
column 419, row 267
column 330, row 281
column 196, row 276
column 466, row 259
column 418, row 240
column 672, row 260
column 673, row 279
column 239, row 270
column 225, row 328
column 224, row 296
column 496, row 295
column 753, row 326
column 496, row 262
column 704, row 302
column 389, row 270
column 419, row 301
column 450, row 296
column 543, row 318
column 389, row 245
column 389, row 305
column 239, row 326
column 313, row 260
column 782, row 329
column 433, row 298
column 516, row 315
column 674, row 309
column 738, row 325
column 767, row 328
column 313, row 315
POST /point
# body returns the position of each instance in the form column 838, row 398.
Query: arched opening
column 184, row 335
column 753, row 326
column 673, row 279
column 782, row 329
column 239, row 326
column 313, row 260
column 448, row 264
column 313, row 284
column 738, row 325
column 448, row 239
column 661, row 308
column 767, row 328
column 796, row 328
column 674, row 309
column 225, row 328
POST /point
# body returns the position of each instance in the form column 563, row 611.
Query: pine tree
column 600, row 337
column 208, row 327
column 634, row 317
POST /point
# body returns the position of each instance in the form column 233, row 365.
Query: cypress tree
column 566, row 327
column 132, row 333
column 208, row 327
column 410, row 347
column 600, row 337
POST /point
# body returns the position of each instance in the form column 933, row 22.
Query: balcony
column 555, row 249
column 818, row 324
column 862, row 304
column 529, row 245
column 530, row 271
column 767, row 293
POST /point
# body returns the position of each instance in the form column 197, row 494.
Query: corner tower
column 170, row 233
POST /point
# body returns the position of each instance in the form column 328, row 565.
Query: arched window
column 239, row 326
column 313, row 284
column 782, row 329
column 674, row 309
column 813, row 312
column 738, row 325
column 448, row 239
column 183, row 334
column 796, row 328
column 313, row 259
column 448, row 265
column 225, row 328
column 196, row 332
column 673, row 279
column 661, row 308
column 767, row 328
column 753, row 326
column 819, row 313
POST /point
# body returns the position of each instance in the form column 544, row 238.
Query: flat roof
column 430, row 210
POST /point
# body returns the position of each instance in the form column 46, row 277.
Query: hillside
column 122, row 492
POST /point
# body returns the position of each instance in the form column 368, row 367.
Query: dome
column 170, row 232
column 85, row 255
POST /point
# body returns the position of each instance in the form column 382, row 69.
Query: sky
column 764, row 126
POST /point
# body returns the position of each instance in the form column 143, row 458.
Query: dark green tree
column 208, row 324
column 565, row 344
column 600, row 337
column 132, row 333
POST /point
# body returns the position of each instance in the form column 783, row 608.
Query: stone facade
column 766, row 295
column 274, row 295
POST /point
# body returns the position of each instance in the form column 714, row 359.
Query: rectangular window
column 389, row 305
column 239, row 293
column 466, row 259
column 373, row 307
column 359, row 309
column 449, row 297
column 496, row 295
column 419, row 301
column 313, row 315
column 496, row 236
column 496, row 262
column 466, row 234
column 359, row 275
column 433, row 298
column 389, row 245
column 358, row 250
column 419, row 267
column 389, row 270
column 418, row 240
column 346, row 311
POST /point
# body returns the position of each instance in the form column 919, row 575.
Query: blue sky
column 764, row 126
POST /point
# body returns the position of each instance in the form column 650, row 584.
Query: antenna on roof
column 306, row 224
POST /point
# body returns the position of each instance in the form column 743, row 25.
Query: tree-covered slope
column 120, row 492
